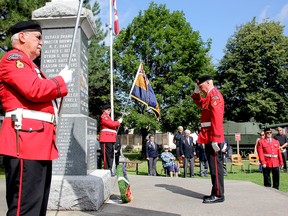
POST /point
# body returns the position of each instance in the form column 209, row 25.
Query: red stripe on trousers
column 20, row 188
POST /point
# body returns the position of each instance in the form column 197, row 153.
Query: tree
column 11, row 12
column 173, row 55
column 253, row 73
column 99, row 74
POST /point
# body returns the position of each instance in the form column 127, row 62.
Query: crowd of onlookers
column 187, row 152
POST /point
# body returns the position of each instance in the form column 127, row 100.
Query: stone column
column 74, row 173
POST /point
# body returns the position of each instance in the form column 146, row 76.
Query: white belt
column 32, row 114
column 109, row 130
column 271, row 155
column 205, row 124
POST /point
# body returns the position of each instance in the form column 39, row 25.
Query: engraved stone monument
column 76, row 131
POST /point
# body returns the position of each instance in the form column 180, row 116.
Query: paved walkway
column 165, row 196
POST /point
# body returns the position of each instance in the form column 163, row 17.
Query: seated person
column 168, row 161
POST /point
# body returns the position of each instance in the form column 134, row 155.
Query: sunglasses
column 268, row 132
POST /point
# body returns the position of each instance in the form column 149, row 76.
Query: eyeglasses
column 262, row 134
column 39, row 37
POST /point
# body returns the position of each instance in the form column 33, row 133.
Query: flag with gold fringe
column 142, row 91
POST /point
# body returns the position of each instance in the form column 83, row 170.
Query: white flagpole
column 135, row 80
column 111, row 64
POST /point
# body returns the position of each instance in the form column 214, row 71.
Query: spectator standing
column 187, row 151
column 270, row 158
column 211, row 133
column 99, row 154
column 27, row 138
column 283, row 140
column 168, row 161
column 117, row 150
column 177, row 140
column 200, row 152
column 151, row 155
column 108, row 136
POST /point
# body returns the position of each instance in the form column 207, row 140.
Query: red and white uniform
column 269, row 153
column 108, row 129
column 21, row 87
column 212, row 115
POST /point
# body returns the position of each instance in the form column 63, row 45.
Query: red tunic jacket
column 269, row 153
column 21, row 87
column 108, row 128
column 212, row 111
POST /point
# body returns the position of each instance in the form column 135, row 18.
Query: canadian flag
column 116, row 22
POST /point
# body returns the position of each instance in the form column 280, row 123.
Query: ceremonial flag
column 142, row 91
column 116, row 22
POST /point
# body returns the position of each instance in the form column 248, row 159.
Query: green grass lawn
column 255, row 176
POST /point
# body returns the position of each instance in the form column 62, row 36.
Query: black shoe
column 206, row 197
column 214, row 199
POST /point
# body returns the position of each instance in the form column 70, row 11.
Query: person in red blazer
column 270, row 157
column 108, row 135
column 211, row 133
column 28, row 133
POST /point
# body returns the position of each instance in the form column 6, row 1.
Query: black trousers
column 275, row 176
column 107, row 150
column 215, row 161
column 27, row 186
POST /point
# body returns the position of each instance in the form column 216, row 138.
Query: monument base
column 85, row 193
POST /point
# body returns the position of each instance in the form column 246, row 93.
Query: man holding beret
column 27, row 137
column 211, row 133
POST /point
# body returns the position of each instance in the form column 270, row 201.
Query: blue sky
column 215, row 19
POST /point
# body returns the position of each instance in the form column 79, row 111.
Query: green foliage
column 173, row 55
column 98, row 68
column 253, row 74
column 13, row 11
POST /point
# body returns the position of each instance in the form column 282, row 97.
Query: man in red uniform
column 270, row 158
column 211, row 133
column 108, row 136
column 27, row 137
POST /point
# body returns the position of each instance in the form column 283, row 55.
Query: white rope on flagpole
column 72, row 47
column 111, row 65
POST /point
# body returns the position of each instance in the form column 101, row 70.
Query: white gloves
column 66, row 74
column 264, row 165
column 196, row 89
column 120, row 120
column 215, row 146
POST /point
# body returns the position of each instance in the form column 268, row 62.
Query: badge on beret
column 19, row 64
column 215, row 103
column 14, row 56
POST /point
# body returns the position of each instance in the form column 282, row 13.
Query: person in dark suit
column 117, row 150
column 151, row 155
column 200, row 152
column 187, row 151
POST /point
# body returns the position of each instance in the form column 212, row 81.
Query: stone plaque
column 76, row 142
column 54, row 57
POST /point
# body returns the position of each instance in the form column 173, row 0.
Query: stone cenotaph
column 76, row 184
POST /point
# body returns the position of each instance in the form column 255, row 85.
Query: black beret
column 106, row 106
column 24, row 26
column 203, row 79
column 267, row 129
